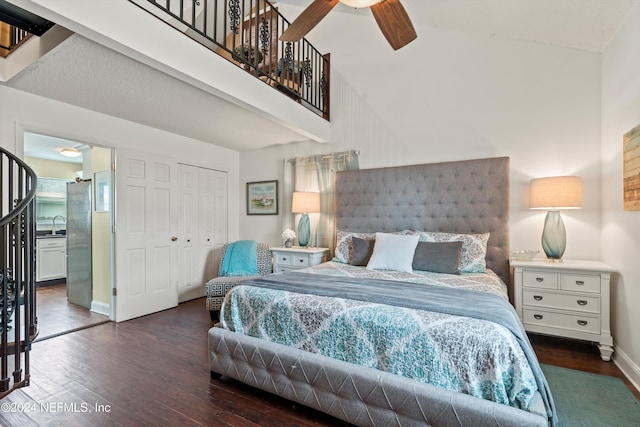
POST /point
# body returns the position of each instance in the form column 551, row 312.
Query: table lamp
column 553, row 194
column 305, row 202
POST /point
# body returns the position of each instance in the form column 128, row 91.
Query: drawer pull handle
column 537, row 316
column 300, row 260
column 582, row 302
column 537, row 297
column 539, row 279
column 582, row 322
column 579, row 282
column 284, row 258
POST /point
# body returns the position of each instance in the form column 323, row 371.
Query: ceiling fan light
column 70, row 152
column 359, row 3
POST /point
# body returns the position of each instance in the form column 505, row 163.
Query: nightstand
column 567, row 299
column 297, row 257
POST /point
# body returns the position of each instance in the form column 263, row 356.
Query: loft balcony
column 247, row 32
column 116, row 58
column 10, row 38
column 17, row 25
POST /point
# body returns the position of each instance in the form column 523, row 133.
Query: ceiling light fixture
column 360, row 3
column 70, row 152
column 390, row 15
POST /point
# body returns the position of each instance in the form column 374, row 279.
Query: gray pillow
column 362, row 250
column 438, row 257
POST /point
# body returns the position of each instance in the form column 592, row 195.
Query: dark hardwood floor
column 56, row 316
column 153, row 371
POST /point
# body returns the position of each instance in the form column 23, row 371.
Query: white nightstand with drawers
column 293, row 258
column 568, row 299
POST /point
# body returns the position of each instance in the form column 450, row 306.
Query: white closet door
column 188, row 232
column 146, row 227
column 207, row 222
column 220, row 235
column 203, row 227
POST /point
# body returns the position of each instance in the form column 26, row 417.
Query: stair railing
column 18, row 322
column 247, row 32
column 10, row 38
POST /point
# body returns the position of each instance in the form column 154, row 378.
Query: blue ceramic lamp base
column 304, row 230
column 554, row 236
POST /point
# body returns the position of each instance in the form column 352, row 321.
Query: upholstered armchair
column 218, row 287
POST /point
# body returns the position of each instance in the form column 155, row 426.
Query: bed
column 368, row 386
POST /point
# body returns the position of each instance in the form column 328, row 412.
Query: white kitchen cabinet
column 51, row 258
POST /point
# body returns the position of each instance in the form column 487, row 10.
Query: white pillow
column 393, row 252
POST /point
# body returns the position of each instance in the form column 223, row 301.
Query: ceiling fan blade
column 308, row 19
column 394, row 23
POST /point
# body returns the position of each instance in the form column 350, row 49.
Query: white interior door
column 188, row 232
column 146, row 230
column 220, row 235
column 206, row 224
column 198, row 227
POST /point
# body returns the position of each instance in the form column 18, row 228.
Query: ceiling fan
column 389, row 14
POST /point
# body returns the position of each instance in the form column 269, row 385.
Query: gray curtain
column 317, row 173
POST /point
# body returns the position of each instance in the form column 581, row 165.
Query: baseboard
column 187, row 294
column 628, row 367
column 100, row 307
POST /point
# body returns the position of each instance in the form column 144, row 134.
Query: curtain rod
column 330, row 155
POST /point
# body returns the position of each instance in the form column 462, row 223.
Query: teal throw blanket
column 240, row 259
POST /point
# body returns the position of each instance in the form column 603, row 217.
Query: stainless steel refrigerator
column 79, row 275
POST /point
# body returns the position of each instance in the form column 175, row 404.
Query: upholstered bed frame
column 466, row 196
column 461, row 197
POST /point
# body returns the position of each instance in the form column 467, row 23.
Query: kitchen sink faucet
column 53, row 227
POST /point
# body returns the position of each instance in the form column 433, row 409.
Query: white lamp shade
column 305, row 202
column 556, row 192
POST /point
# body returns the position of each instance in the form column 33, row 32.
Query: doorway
column 73, row 240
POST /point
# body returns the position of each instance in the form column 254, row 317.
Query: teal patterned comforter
column 462, row 354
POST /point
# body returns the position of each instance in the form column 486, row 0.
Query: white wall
column 21, row 111
column 450, row 96
column 53, row 169
column 620, row 229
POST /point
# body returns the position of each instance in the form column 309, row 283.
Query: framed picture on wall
column 262, row 198
column 101, row 189
column 631, row 169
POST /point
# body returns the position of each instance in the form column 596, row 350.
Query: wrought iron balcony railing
column 247, row 32
column 10, row 38
column 18, row 323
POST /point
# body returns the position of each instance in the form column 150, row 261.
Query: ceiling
column 48, row 148
column 130, row 90
column 580, row 24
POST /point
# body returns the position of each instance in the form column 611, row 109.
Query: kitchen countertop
column 49, row 236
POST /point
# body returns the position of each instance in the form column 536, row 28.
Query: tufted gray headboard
column 470, row 196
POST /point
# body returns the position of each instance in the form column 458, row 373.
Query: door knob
column 174, row 238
